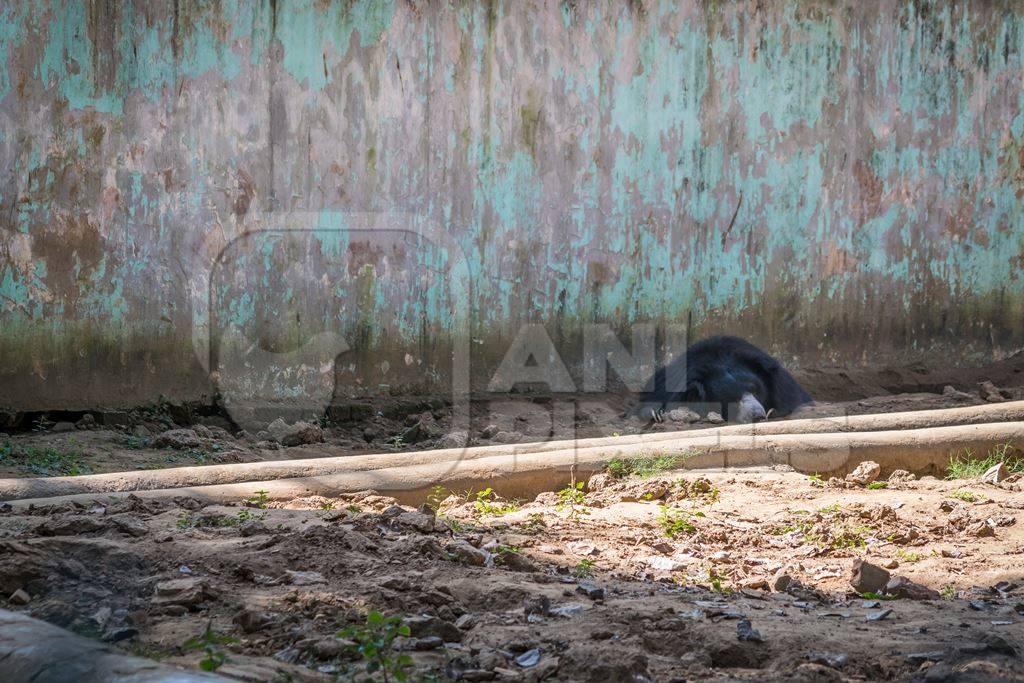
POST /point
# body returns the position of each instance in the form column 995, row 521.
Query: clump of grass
column 44, row 462
column 571, row 499
column 673, row 523
column 646, row 466
column 374, row 642
column 815, row 480
column 211, row 643
column 875, row 485
column 584, row 569
column 963, row 464
column 965, row 495
column 489, row 503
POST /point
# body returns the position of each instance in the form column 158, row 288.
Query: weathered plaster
column 840, row 180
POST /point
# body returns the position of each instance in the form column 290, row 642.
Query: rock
column 979, row 530
column 130, row 526
column 868, row 578
column 714, row 418
column 994, row 474
column 178, row 439
column 462, row 551
column 466, row 622
column 833, row 660
column 568, row 610
column 508, row 437
column 70, row 526
column 19, row 597
column 516, row 561
column 456, row 439
column 252, row 528
column 181, row 592
column 327, row 648
column 86, row 422
column 990, row 392
column 539, row 605
column 528, row 658
column 252, row 621
column 425, row 625
column 890, row 564
column 664, row 564
column 879, row 615
column 864, row 473
column 902, row 475
column 600, row 481
column 781, row 581
column 721, row 557
column 592, row 591
column 428, row 643
column 682, row 415
column 746, row 632
column 296, row 434
column 417, row 520
column 950, row 391
column 305, row 578
column 61, row 427
column 902, row 587
column 754, row 583
column 489, row 431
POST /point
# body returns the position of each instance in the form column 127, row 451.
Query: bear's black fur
column 715, row 374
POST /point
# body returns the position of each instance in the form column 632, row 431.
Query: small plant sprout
column 963, row 464
column 489, row 503
column 571, row 500
column 965, row 495
column 584, row 569
column 258, row 500
column 875, row 485
column 374, row 641
column 673, row 523
column 815, row 480
column 211, row 643
column 435, row 497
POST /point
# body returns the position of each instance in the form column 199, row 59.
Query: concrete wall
column 841, row 180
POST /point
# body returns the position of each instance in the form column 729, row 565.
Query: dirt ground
column 738, row 575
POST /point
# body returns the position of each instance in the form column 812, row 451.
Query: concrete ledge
column 740, row 439
column 924, row 451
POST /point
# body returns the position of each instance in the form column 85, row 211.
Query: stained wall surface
column 840, row 181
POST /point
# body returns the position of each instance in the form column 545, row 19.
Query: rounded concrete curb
column 524, row 475
column 734, row 437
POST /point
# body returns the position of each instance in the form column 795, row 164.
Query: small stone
column 88, row 421
column 61, row 427
column 252, row 621
column 428, row 643
column 505, row 436
column 902, row 587
column 868, row 578
column 990, row 392
column 466, row 622
column 833, row 660
column 592, row 591
column 296, row 434
column 682, row 415
column 865, row 473
column 664, row 564
column 754, row 583
column 489, row 431
column 516, row 561
column 539, row 605
column 528, row 658
column 422, row 522
column 879, row 615
column 426, row 625
column 890, row 564
column 951, row 552
column 994, row 474
column 714, row 418
column 979, row 530
column 600, row 481
column 746, row 632
column 721, row 556
column 462, row 551
column 568, row 610
column 902, row 475
column 178, row 439
column 181, row 592
column 456, row 439
column 19, row 597
column 781, row 581
column 305, row 578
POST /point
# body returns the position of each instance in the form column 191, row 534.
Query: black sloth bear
column 725, row 374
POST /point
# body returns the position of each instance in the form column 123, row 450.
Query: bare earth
column 642, row 579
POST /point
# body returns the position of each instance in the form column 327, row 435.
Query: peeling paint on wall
column 840, row 181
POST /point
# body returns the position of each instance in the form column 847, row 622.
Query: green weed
column 44, row 462
column 965, row 495
column 572, row 499
column 210, row 642
column 963, row 464
column 673, row 523
column 489, row 503
column 375, row 642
